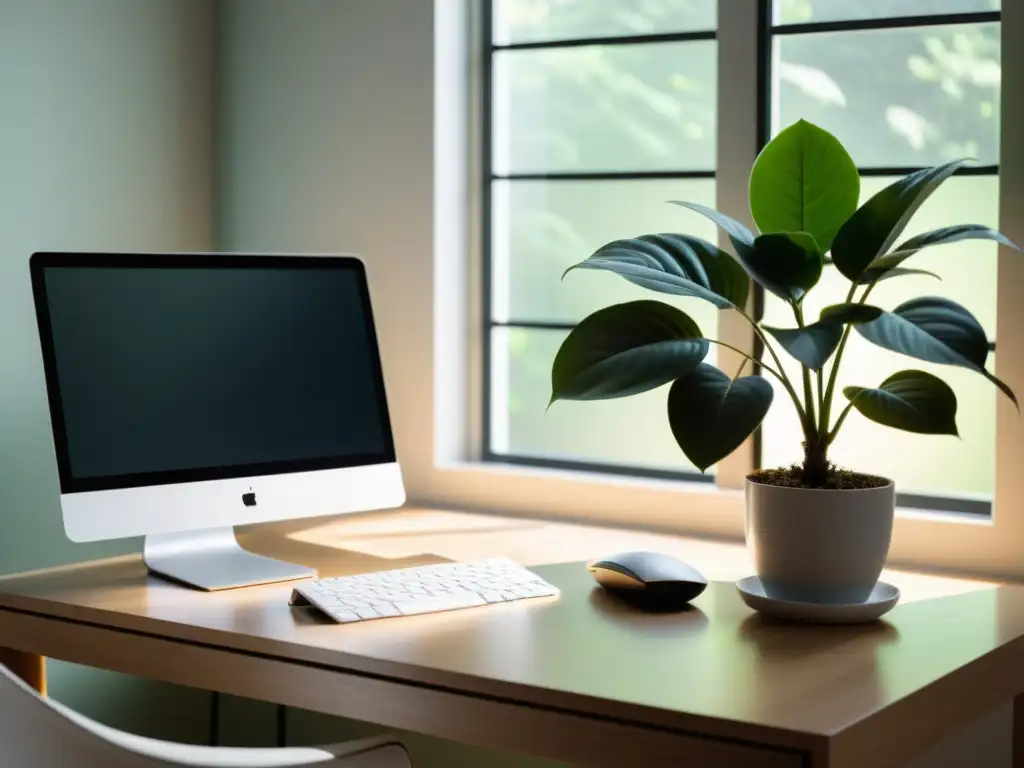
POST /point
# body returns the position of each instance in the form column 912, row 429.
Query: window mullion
column 740, row 120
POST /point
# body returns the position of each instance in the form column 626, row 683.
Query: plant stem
column 743, row 364
column 810, row 423
column 746, row 357
column 830, row 390
column 815, row 469
column 839, row 423
column 826, row 407
column 779, row 374
column 822, row 424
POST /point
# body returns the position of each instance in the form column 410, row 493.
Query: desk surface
column 719, row 669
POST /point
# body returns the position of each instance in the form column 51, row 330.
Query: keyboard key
column 367, row 613
column 345, row 617
column 330, row 603
column 492, row 597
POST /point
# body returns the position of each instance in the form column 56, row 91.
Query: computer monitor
column 192, row 393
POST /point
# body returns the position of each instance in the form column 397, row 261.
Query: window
column 902, row 92
column 597, row 113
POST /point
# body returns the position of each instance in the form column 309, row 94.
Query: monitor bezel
column 69, row 483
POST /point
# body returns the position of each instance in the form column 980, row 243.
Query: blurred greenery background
column 898, row 97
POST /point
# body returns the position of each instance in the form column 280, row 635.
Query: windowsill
column 524, row 472
column 528, row 472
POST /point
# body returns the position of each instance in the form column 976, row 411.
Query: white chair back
column 36, row 732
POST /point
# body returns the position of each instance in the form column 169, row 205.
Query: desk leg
column 27, row 666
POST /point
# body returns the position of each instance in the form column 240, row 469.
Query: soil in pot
column 836, row 479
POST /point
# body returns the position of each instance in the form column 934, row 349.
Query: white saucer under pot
column 881, row 600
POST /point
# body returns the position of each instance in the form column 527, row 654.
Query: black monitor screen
column 164, row 369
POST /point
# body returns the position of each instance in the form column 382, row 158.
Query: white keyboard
column 425, row 589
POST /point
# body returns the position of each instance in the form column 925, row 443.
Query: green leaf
column 872, row 275
column 954, row 234
column 936, row 330
column 913, row 401
column 625, row 349
column 681, row 265
column 711, row 414
column 942, row 236
column 739, row 235
column 804, row 181
column 849, row 313
column 873, row 228
column 786, row 263
column 812, row 345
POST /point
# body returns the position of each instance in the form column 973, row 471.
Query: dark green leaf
column 870, row 232
column 625, row 349
column 812, row 345
column 913, row 401
column 736, row 231
column 681, row 265
column 871, row 275
column 943, row 236
column 936, row 330
column 953, row 234
column 849, row 313
column 804, row 181
column 710, row 414
column 786, row 263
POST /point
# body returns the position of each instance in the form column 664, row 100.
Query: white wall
column 105, row 143
column 325, row 145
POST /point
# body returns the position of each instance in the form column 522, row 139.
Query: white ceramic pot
column 817, row 545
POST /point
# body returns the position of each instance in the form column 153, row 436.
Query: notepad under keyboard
column 425, row 589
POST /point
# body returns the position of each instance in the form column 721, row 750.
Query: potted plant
column 817, row 533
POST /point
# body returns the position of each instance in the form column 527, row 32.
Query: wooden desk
column 580, row 679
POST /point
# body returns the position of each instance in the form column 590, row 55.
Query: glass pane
column 936, row 465
column 520, row 21
column 895, row 97
column 540, row 228
column 631, row 431
column 802, row 11
column 644, row 107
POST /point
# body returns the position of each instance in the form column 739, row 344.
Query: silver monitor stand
column 212, row 559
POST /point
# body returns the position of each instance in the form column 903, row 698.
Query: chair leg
column 28, row 666
column 1018, row 731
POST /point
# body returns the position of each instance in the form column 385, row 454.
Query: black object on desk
column 649, row 580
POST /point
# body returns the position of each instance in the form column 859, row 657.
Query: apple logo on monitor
column 249, row 499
